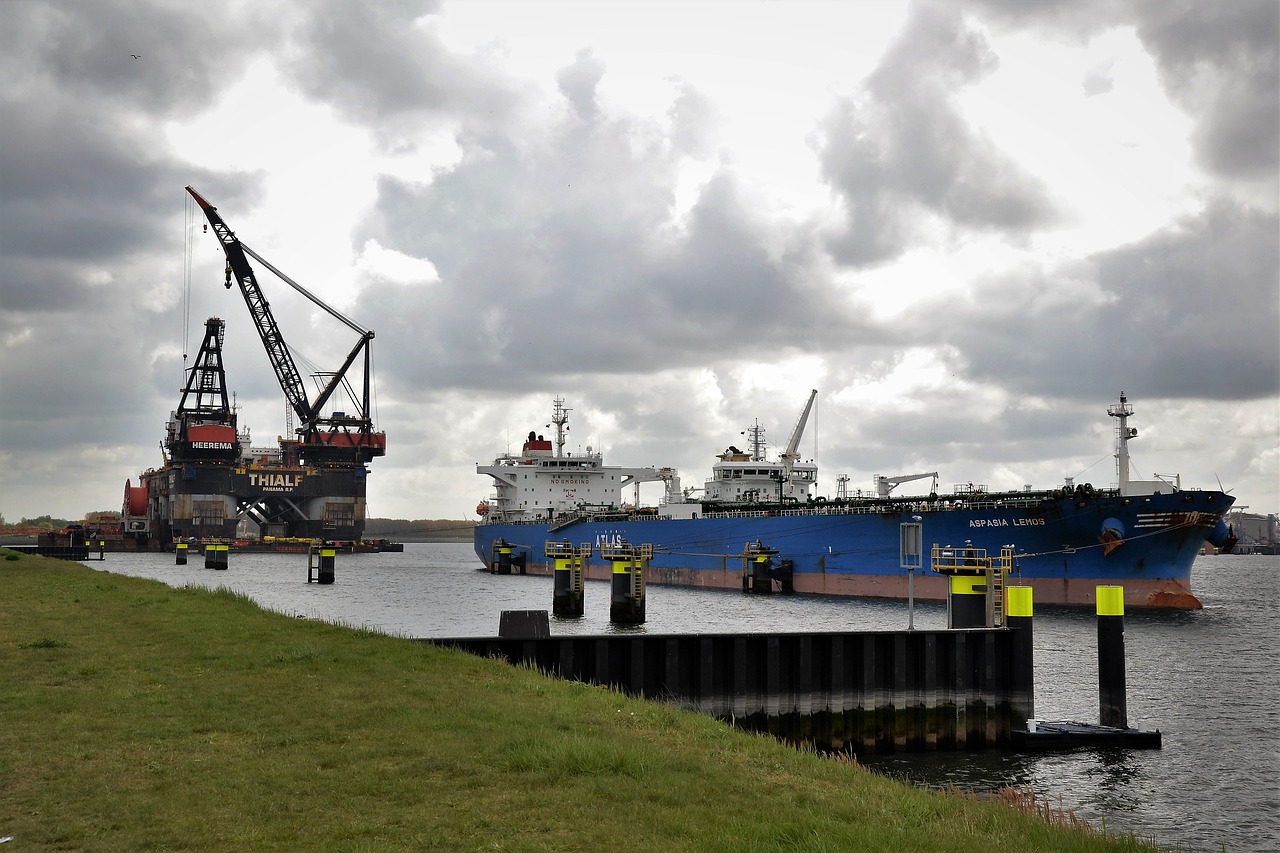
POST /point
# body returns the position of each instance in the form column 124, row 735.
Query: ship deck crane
column 884, row 485
column 789, row 456
column 335, row 439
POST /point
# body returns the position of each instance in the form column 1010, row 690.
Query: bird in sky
column 135, row 56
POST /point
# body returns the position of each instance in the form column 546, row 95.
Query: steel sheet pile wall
column 867, row 692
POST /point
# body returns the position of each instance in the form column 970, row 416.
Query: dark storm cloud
column 84, row 51
column 893, row 441
column 84, row 186
column 558, row 254
column 1220, row 62
column 1189, row 312
column 384, row 65
column 568, row 289
column 90, row 224
column 85, row 191
column 901, row 149
column 574, row 254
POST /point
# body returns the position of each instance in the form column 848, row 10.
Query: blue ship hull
column 1065, row 543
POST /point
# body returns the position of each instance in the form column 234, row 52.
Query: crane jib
column 287, row 374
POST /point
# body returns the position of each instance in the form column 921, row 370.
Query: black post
column 328, row 557
column 761, row 582
column 1022, row 691
column 523, row 624
column 1111, row 687
column 502, row 560
column 966, row 601
column 630, row 564
column 216, row 556
column 567, row 593
column 181, row 551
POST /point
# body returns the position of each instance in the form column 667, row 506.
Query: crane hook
column 228, row 282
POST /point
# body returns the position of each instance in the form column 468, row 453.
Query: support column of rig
column 630, row 565
column 975, row 584
column 216, row 555
column 760, row 568
column 503, row 558
column 568, row 596
column 321, row 559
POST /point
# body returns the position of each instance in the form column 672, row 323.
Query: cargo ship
column 1141, row 534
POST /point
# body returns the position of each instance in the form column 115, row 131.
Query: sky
column 968, row 225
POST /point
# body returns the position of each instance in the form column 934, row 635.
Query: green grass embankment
column 136, row 716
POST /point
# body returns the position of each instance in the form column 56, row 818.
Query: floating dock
column 1044, row 736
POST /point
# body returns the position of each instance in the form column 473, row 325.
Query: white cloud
column 380, row 262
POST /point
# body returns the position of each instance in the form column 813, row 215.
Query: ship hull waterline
column 1064, row 546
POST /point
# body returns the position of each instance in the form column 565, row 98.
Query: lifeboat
column 482, row 508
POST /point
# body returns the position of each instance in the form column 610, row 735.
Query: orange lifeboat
column 482, row 508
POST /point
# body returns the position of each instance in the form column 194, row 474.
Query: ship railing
column 1018, row 501
column 567, row 520
column 880, row 509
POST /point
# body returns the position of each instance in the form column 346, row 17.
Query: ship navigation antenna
column 755, row 435
column 560, row 417
column 1124, row 432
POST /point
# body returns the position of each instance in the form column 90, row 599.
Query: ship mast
column 560, row 417
column 755, row 437
column 1124, row 432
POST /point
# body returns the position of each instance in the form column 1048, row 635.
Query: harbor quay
column 970, row 686
column 874, row 691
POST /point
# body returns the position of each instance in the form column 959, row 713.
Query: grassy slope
column 137, row 716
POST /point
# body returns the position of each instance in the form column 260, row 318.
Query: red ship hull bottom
column 1164, row 593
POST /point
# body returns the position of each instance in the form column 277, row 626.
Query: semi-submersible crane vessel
column 311, row 485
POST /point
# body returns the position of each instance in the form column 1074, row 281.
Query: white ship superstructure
column 543, row 482
column 747, row 477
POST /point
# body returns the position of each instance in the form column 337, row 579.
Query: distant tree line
column 375, row 528
column 48, row 522
column 418, row 529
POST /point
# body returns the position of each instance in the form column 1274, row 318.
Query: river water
column 1206, row 679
